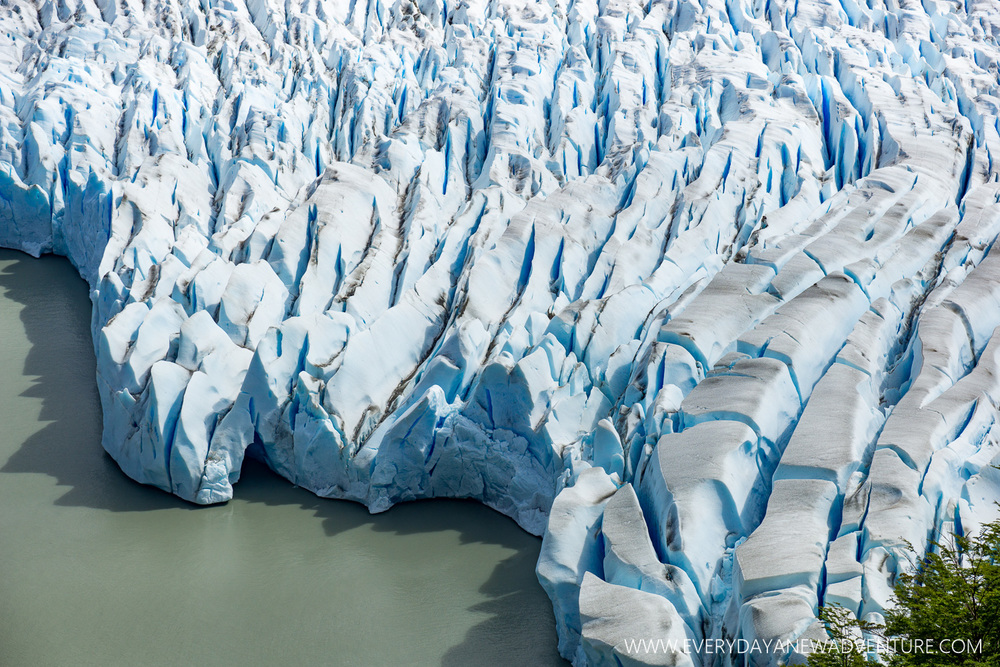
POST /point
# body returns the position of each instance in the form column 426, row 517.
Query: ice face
column 706, row 293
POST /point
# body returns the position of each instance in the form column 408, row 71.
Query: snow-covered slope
column 704, row 292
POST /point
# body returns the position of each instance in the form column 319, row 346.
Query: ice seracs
column 683, row 286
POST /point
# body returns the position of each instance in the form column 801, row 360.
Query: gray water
column 98, row 570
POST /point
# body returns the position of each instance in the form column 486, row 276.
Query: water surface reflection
column 95, row 569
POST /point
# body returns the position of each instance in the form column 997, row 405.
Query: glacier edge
column 675, row 284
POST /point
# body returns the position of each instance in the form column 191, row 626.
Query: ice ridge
column 705, row 292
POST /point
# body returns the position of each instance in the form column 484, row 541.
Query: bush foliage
column 947, row 612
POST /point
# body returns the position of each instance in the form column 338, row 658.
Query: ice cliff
column 705, row 292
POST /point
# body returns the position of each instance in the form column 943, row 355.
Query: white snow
column 683, row 286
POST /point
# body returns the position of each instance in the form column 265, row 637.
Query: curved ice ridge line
column 679, row 285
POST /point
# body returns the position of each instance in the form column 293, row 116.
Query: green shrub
column 947, row 612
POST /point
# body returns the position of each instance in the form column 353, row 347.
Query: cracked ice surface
column 705, row 292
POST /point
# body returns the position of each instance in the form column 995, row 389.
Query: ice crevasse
column 679, row 285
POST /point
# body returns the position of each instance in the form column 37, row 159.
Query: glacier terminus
column 705, row 292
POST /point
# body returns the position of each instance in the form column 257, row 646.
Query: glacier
column 705, row 292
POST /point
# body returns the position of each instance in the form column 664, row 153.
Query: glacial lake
column 98, row 570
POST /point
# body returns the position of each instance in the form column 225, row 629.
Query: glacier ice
column 706, row 292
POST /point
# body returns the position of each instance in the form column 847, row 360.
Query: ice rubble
column 706, row 292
